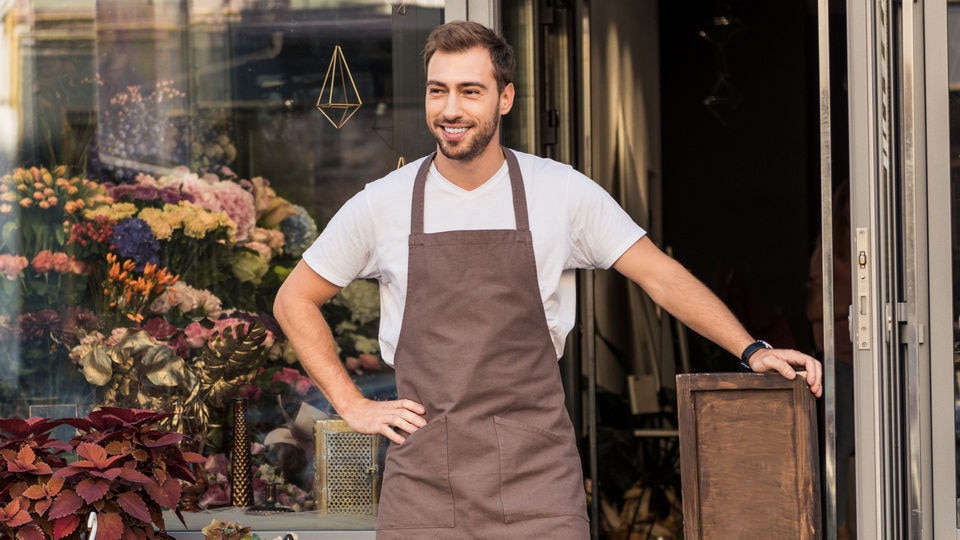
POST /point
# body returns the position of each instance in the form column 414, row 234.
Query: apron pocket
column 416, row 484
column 540, row 473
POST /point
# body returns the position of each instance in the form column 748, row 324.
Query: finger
column 392, row 435
column 783, row 366
column 813, row 370
column 412, row 405
column 819, row 384
column 407, row 425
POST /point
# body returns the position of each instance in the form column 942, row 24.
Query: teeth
column 454, row 130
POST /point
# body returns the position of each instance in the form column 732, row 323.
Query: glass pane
column 953, row 36
column 164, row 164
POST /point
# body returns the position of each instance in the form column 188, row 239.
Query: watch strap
column 750, row 350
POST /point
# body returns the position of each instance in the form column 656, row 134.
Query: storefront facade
column 300, row 102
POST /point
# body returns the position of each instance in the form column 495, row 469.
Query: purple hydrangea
column 133, row 239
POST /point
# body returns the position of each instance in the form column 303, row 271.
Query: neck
column 470, row 175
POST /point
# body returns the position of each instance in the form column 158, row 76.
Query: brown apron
column 498, row 457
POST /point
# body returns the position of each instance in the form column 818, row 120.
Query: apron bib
column 498, row 456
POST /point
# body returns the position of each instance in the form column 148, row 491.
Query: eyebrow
column 459, row 85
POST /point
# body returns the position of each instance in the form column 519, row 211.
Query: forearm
column 695, row 305
column 675, row 289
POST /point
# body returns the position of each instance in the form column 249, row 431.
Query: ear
column 506, row 98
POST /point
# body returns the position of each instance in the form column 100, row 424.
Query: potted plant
column 123, row 470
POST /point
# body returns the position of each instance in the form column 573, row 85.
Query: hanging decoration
column 339, row 99
column 401, row 162
column 400, row 9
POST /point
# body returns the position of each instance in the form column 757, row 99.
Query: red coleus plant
column 121, row 468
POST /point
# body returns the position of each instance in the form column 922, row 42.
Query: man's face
column 463, row 105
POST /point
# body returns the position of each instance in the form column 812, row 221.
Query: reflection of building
column 617, row 88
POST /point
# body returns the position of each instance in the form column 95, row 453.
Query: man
column 475, row 250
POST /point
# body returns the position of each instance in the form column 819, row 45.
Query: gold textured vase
column 241, row 480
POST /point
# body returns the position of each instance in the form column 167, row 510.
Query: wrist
column 750, row 350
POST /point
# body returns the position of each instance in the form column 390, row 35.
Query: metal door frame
column 892, row 303
column 942, row 384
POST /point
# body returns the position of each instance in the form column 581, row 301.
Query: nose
column 451, row 106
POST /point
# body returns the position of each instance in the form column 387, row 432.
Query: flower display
column 36, row 204
column 155, row 292
column 269, row 480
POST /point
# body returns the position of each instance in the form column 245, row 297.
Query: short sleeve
column 343, row 251
column 602, row 229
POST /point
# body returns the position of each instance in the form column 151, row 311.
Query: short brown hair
column 461, row 36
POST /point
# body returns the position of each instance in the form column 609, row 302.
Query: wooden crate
column 749, row 457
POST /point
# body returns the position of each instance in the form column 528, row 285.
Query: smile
column 454, row 131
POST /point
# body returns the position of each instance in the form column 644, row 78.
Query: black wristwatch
column 748, row 352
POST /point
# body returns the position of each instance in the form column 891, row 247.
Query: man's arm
column 675, row 289
column 297, row 309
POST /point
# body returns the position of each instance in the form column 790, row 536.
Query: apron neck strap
column 516, row 184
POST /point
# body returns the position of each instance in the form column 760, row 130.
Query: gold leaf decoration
column 230, row 361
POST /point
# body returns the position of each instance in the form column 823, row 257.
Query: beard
column 469, row 149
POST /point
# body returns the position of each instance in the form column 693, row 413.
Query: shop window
column 164, row 165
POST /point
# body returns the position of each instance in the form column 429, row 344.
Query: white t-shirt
column 574, row 222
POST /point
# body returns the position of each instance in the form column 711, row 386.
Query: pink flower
column 216, row 495
column 370, row 361
column 43, row 262
column 365, row 361
column 252, row 392
column 61, row 262
column 196, row 335
column 264, row 250
column 12, row 265
column 216, row 465
column 295, row 379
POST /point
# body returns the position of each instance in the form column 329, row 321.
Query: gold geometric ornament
column 400, row 9
column 401, row 162
column 338, row 100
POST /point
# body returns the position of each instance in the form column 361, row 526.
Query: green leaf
column 60, row 235
column 8, row 236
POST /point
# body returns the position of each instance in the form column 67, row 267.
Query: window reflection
column 165, row 166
